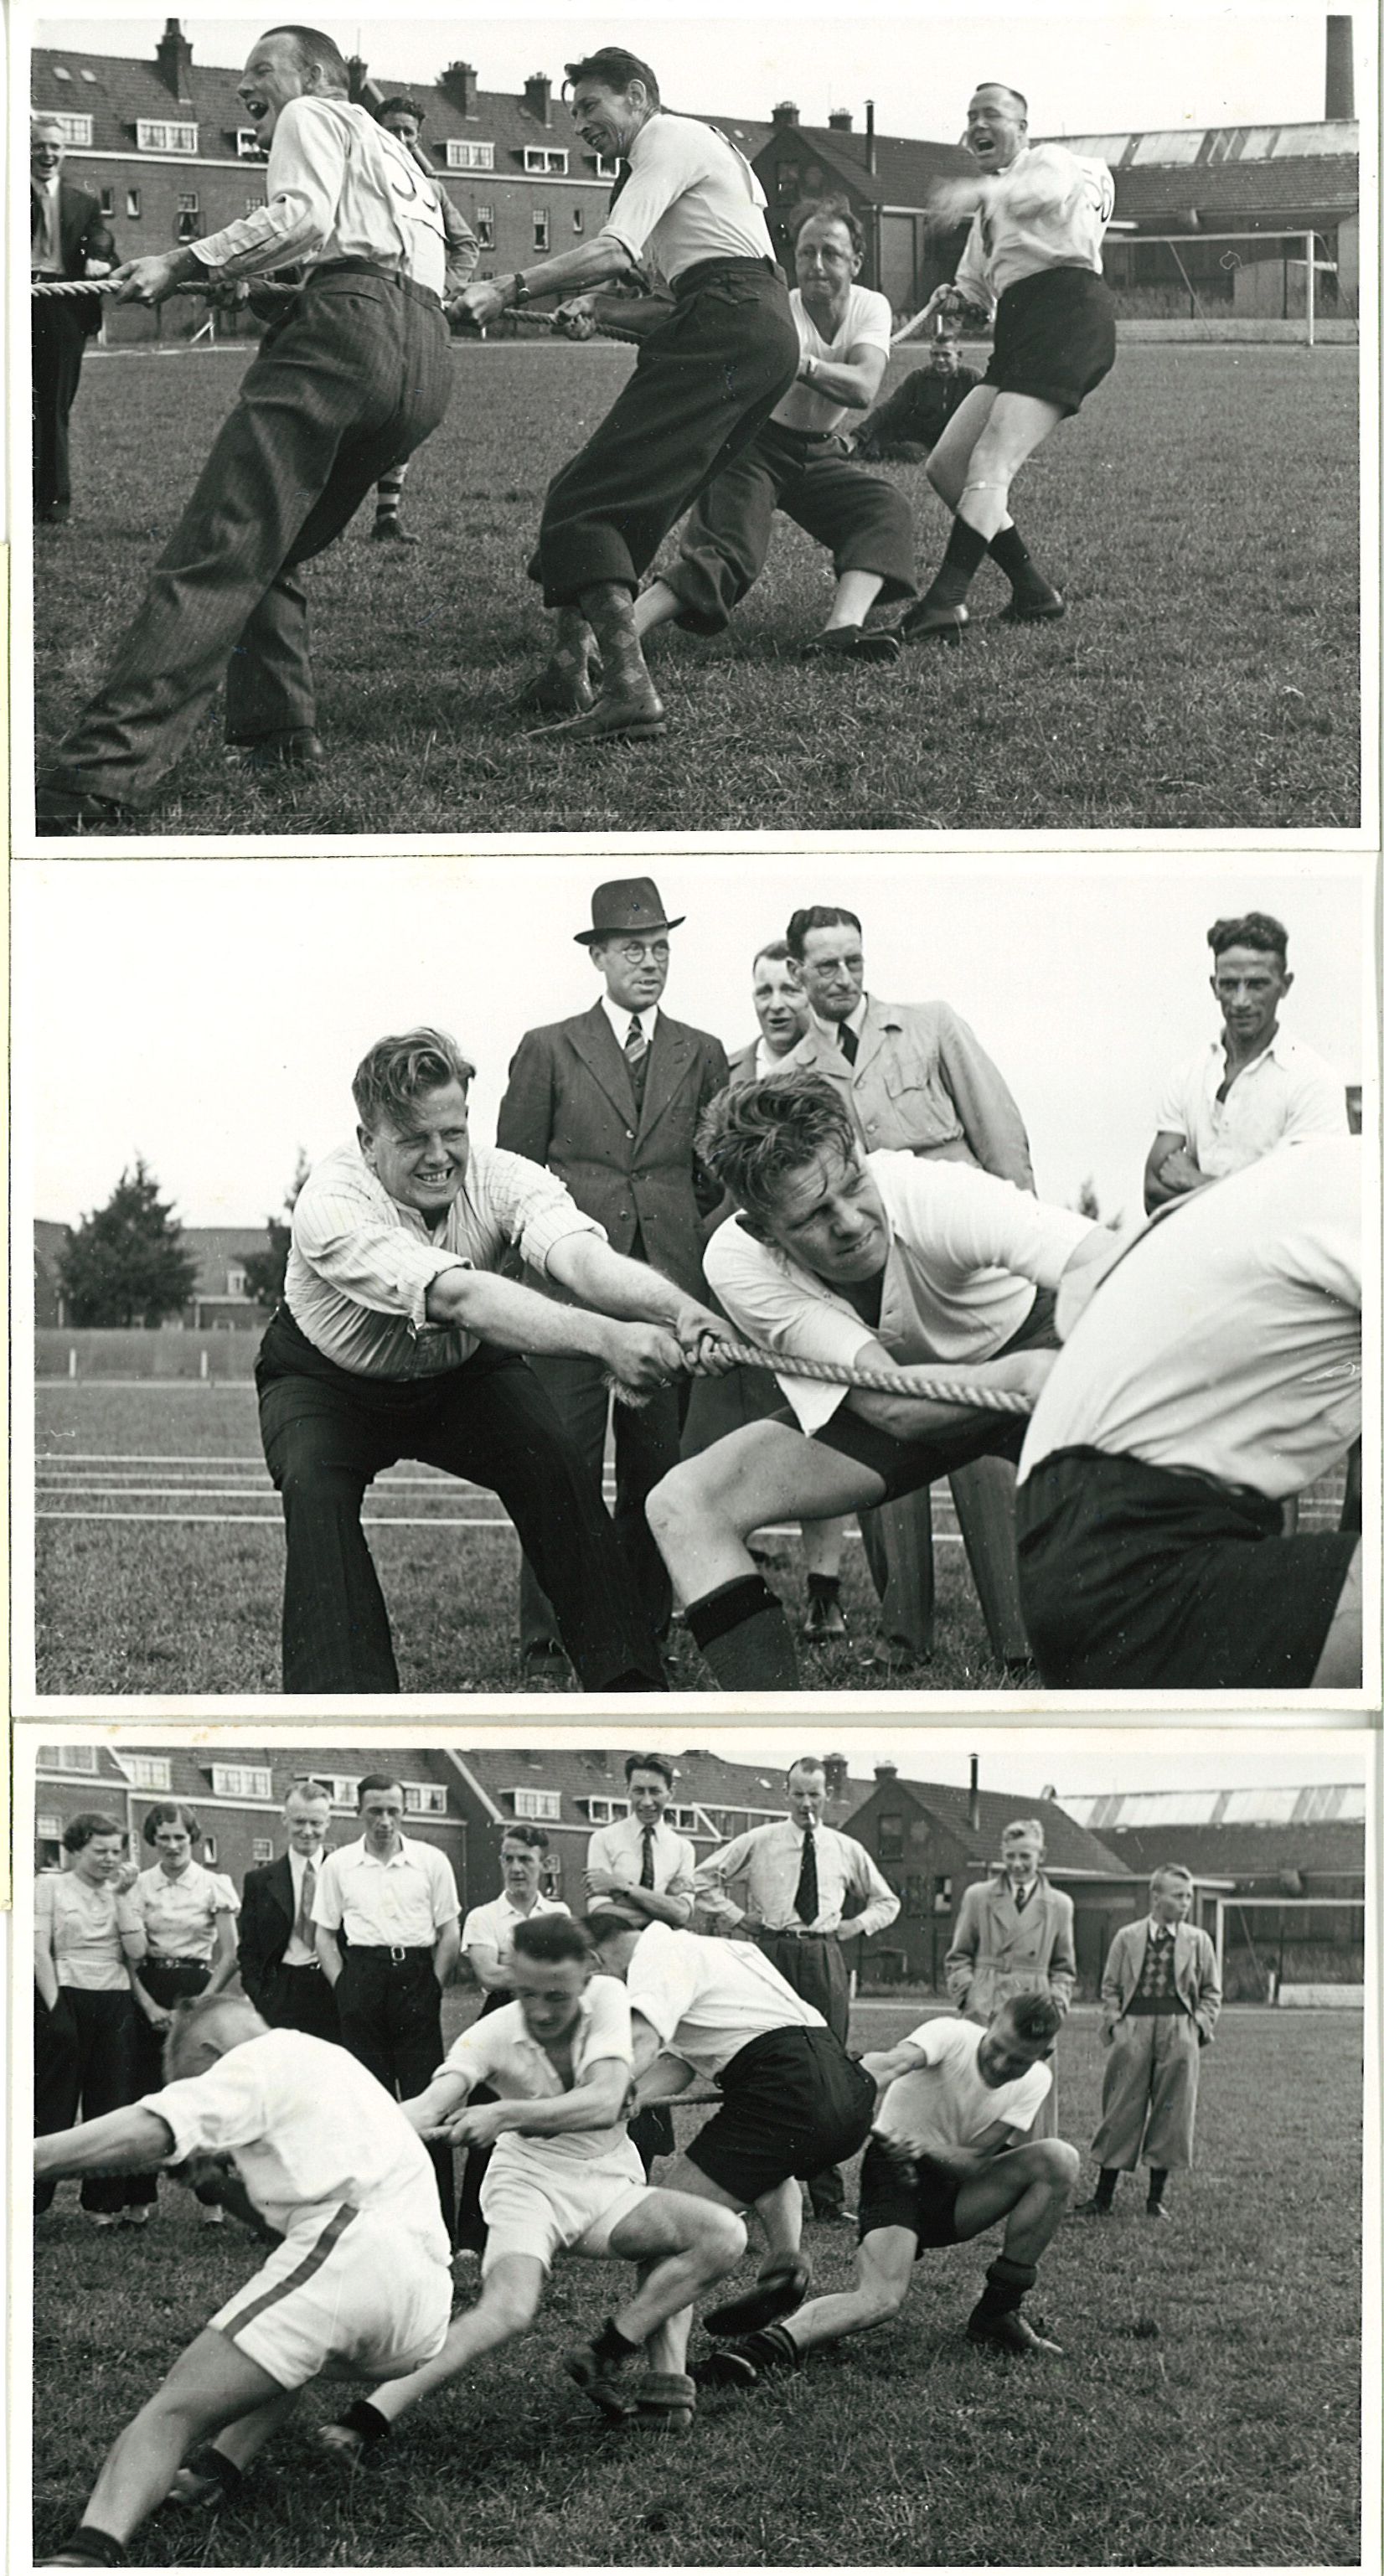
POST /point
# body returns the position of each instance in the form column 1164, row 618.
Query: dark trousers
column 898, row 1548
column 84, row 2053
column 300, row 1999
column 648, row 1443
column 816, row 1970
column 390, row 2011
column 702, row 384
column 168, row 1982
column 862, row 518
column 58, row 338
column 357, row 377
column 327, row 1433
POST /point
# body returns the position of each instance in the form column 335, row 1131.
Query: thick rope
column 919, row 1382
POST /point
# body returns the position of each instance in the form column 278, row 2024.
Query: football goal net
column 1207, row 280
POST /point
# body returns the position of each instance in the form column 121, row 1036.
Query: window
column 915, row 1896
column 107, row 201
column 890, row 1838
column 48, row 1828
column 485, row 227
column 67, row 1757
column 261, row 1849
column 343, row 1788
column 247, row 143
column 208, row 1852
column 540, row 1806
column 789, row 178
column 538, row 158
column 76, row 130
column 942, row 1897
column 540, row 228
column 189, row 219
column 423, row 1798
column 253, row 205
column 158, row 134
column 147, row 1771
column 469, row 156
column 605, row 1811
column 242, row 1780
column 132, row 204
column 606, row 165
column 578, row 219
column 61, row 72
column 88, row 77
column 235, row 1277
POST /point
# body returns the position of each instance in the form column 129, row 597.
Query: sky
column 222, row 1005
column 1091, row 70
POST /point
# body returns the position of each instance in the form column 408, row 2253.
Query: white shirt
column 830, row 1030
column 85, row 1925
column 1227, row 1340
column 620, row 1849
column 965, row 1255
column 947, row 2104
column 499, row 2051
column 689, row 196
column 1049, row 209
column 399, row 1903
column 708, row 1999
column 770, row 1857
column 866, row 323
column 338, row 186
column 180, row 1914
column 45, row 256
column 620, row 1020
column 360, row 1265
column 493, row 1926
column 297, row 1953
column 1286, row 1092
column 308, row 2129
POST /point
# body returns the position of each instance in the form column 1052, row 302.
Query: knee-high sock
column 744, row 1636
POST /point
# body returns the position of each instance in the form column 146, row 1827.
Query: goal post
column 1210, row 281
column 1294, row 1911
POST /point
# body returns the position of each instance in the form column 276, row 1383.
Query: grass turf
column 194, row 1607
column 1201, row 515
column 1206, row 2412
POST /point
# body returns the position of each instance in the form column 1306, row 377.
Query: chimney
column 1340, row 71
column 785, row 113
column 538, row 92
column 458, row 85
column 870, row 136
column 886, row 1770
column 173, row 55
column 840, row 120
column 837, row 1771
column 973, row 1800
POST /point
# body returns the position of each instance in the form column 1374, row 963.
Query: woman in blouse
column 87, row 1938
column 187, row 1913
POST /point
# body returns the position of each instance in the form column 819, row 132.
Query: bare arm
column 223, row 1958
column 488, row 1969
column 514, row 1318
column 596, row 2103
column 328, row 1947
column 853, row 380
column 665, row 2078
column 655, row 1908
column 913, row 1417
column 617, row 1286
column 45, row 1971
column 592, row 264
column 432, row 2111
column 1171, row 1170
column 446, row 1951
column 130, row 2141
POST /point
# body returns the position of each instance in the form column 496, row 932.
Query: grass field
column 185, row 1595
column 1206, row 2412
column 1200, row 514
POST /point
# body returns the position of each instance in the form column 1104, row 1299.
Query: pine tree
column 125, row 1263
column 265, row 1271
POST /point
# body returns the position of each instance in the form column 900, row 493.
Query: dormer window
column 159, row 134
column 469, row 156
column 545, row 162
column 76, row 130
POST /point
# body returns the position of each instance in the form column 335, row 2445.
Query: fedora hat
column 626, row 903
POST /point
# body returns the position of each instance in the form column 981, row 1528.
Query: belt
column 396, row 1952
column 376, row 268
column 301, row 1967
column 704, row 272
column 158, row 1959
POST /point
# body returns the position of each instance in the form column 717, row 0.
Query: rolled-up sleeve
column 307, row 163
column 533, row 1208
column 215, row 2112
column 760, row 1293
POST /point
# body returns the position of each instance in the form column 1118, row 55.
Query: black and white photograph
column 935, row 2150
column 455, row 1278
column 914, row 423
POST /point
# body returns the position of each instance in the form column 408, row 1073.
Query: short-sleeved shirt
column 180, row 1914
column 84, row 1925
column 493, row 1926
column 867, row 323
column 689, row 196
column 620, row 1849
column 338, row 186
column 1049, row 209
column 360, row 1265
column 967, row 1254
column 498, row 2051
column 1227, row 1340
column 403, row 1902
column 1279, row 1096
column 708, row 1999
column 947, row 2105
column 309, row 2130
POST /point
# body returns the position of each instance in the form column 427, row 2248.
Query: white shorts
column 572, row 2211
column 360, row 2291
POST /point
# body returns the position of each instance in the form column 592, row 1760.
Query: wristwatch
column 519, row 293
column 808, row 368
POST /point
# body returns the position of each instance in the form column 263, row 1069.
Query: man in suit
column 916, row 1080
column 611, row 1101
column 1160, row 1996
column 1015, row 1935
column 279, row 1967
column 67, row 239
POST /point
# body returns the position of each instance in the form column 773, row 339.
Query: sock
column 1011, row 554
column 1158, row 2184
column 772, row 2348
column 744, row 1636
column 823, row 1587
column 100, row 2545
column 1105, row 2188
column 611, row 2347
column 365, row 2419
column 966, row 552
column 1005, row 2284
column 389, row 492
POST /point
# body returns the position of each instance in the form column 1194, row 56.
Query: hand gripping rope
column 916, row 1382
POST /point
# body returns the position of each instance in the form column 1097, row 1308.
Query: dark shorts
column 904, row 1465
column 907, row 2191
column 794, row 2103
column 1054, row 337
column 1134, row 1578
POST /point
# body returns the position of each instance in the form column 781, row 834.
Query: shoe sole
column 1032, row 616
column 775, row 2296
column 638, row 729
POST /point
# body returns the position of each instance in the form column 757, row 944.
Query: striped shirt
column 360, row 1265
column 337, row 187
column 1049, row 209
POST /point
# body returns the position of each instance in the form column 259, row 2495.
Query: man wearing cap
column 67, row 240
column 610, row 1102
column 688, row 209
column 403, row 118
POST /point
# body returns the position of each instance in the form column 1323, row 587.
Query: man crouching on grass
column 947, row 2159
column 326, row 2167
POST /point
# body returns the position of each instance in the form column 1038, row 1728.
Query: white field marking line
column 369, row 1520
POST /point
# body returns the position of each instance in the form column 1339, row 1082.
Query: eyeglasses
column 634, row 951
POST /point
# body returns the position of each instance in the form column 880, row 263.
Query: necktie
column 646, row 1866
column 636, row 1044
column 1021, row 1897
column 621, row 181
column 850, row 1043
column 805, row 1902
column 302, row 1921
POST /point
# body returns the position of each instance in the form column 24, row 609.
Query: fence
column 225, row 1357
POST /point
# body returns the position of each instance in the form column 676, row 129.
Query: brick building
column 219, row 1302
column 1266, row 179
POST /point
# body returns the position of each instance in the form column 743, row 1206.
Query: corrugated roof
column 1245, row 1851
column 1176, row 147
column 1231, row 195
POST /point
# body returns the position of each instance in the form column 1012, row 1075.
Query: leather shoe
column 854, row 644
column 387, row 532
column 1033, row 607
column 825, row 1623
column 725, row 2368
column 1009, row 2332
column 1093, row 2208
column 60, row 810
column 615, row 2395
column 562, row 688
column 635, row 717
column 299, row 748
column 1156, row 2209
column 922, row 624
column 782, row 2286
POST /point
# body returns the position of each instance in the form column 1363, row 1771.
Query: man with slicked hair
column 1251, row 1089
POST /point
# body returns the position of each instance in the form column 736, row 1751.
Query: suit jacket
column 997, row 1952
column 266, row 1923
column 1195, row 1974
column 82, row 235
column 570, row 1104
column 743, row 1065
column 923, row 1084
